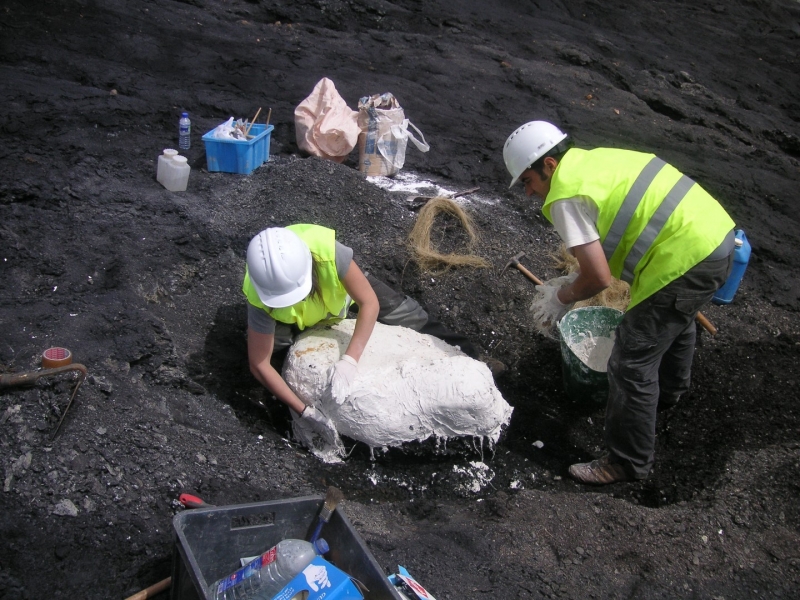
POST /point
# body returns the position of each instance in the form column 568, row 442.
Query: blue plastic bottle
column 741, row 255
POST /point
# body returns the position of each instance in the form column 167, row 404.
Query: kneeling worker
column 300, row 276
column 631, row 216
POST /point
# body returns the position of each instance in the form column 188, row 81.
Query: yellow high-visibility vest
column 311, row 311
column 654, row 222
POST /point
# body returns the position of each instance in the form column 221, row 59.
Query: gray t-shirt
column 260, row 321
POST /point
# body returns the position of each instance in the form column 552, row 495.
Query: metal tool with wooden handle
column 515, row 263
column 701, row 318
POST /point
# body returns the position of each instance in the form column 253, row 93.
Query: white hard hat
column 279, row 264
column 528, row 144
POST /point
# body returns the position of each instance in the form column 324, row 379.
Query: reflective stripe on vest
column 654, row 225
column 632, row 200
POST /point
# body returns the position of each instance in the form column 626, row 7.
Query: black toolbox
column 210, row 541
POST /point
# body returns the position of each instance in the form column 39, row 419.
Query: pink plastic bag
column 325, row 125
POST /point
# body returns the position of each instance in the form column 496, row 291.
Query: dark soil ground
column 142, row 285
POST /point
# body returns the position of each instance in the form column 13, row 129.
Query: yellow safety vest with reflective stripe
column 654, row 222
column 311, row 311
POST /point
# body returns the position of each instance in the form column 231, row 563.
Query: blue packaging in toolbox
column 408, row 587
column 238, row 156
column 319, row 580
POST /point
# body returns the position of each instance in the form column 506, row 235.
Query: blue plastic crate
column 238, row 156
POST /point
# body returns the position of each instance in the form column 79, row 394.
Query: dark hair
column 316, row 289
column 558, row 151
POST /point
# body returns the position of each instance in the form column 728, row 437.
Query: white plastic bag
column 392, row 145
column 227, row 131
column 325, row 126
column 384, row 135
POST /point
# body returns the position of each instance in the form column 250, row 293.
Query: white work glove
column 342, row 376
column 314, row 419
column 547, row 308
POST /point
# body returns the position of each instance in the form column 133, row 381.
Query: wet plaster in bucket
column 410, row 387
column 593, row 351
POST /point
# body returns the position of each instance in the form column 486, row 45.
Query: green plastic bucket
column 585, row 379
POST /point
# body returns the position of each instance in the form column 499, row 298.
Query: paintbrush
column 332, row 497
column 247, row 133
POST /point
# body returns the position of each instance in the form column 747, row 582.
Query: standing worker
column 300, row 276
column 632, row 216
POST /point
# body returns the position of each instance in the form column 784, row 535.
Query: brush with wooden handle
column 332, row 499
column 154, row 589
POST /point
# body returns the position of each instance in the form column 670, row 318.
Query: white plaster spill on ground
column 475, row 477
column 375, row 478
column 412, row 184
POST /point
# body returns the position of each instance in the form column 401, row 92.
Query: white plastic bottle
column 173, row 171
column 184, row 132
column 164, row 162
column 268, row 574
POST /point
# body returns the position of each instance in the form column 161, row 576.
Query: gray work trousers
column 652, row 357
column 395, row 309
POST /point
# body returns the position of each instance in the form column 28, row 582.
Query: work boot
column 495, row 366
column 598, row 472
column 667, row 401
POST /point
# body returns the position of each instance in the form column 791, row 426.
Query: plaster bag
column 410, row 387
column 324, row 125
column 384, row 135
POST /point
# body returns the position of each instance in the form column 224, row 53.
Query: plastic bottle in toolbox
column 264, row 577
column 184, row 132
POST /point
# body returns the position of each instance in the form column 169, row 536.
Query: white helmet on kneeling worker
column 279, row 264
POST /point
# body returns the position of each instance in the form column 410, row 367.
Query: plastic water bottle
column 184, row 132
column 741, row 255
column 265, row 576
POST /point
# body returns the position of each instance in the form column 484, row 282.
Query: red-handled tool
column 190, row 501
